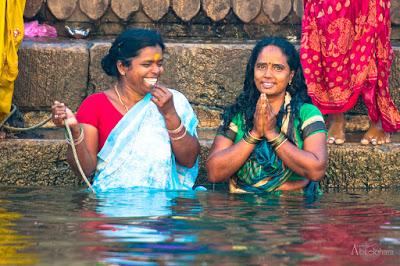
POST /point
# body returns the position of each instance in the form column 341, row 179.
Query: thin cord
column 19, row 129
column 76, row 156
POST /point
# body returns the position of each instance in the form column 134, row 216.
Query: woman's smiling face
column 272, row 72
column 144, row 69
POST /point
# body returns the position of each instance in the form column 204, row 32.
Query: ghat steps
column 210, row 74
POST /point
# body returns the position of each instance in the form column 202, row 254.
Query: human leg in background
column 336, row 132
column 346, row 53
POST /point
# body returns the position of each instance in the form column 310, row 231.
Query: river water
column 70, row 226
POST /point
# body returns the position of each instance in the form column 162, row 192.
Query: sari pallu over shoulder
column 138, row 152
column 264, row 171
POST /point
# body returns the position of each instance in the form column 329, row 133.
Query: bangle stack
column 277, row 142
column 250, row 139
column 75, row 141
column 176, row 134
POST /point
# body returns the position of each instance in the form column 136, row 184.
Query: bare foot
column 336, row 133
column 375, row 135
column 2, row 135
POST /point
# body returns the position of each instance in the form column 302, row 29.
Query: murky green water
column 58, row 226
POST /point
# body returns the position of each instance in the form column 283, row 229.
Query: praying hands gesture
column 264, row 119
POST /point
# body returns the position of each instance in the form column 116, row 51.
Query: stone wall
column 43, row 163
column 210, row 74
column 239, row 19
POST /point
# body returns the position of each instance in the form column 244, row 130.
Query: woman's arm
column 185, row 146
column 186, row 149
column 225, row 158
column 311, row 162
column 87, row 148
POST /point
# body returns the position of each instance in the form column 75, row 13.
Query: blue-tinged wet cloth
column 138, row 151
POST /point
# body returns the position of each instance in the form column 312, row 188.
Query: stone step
column 210, row 74
column 42, row 162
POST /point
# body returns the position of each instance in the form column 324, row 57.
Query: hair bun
column 108, row 64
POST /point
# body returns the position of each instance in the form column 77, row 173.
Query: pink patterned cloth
column 346, row 51
column 34, row 29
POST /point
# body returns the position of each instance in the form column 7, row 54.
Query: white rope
column 76, row 156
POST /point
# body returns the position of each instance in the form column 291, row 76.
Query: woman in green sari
column 272, row 138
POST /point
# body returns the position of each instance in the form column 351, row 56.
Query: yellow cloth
column 11, row 35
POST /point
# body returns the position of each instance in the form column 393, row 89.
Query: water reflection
column 348, row 236
column 13, row 245
column 140, row 227
column 151, row 233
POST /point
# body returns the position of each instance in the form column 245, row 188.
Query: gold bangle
column 277, row 140
column 280, row 144
column 274, row 139
column 251, row 135
column 180, row 137
column 247, row 137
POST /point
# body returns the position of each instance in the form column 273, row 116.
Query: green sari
column 264, row 171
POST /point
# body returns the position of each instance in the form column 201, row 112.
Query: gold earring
column 290, row 83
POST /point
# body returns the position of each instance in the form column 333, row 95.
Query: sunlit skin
column 336, row 133
column 271, row 76
column 133, row 84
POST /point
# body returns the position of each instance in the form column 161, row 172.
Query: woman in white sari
column 137, row 133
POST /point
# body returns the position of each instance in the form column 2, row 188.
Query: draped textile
column 138, row 152
column 345, row 51
column 11, row 35
column 264, row 171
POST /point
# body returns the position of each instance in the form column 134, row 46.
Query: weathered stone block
column 277, row 10
column 208, row 117
column 246, row 10
column 94, row 9
column 98, row 79
column 78, row 16
column 124, row 8
column 32, row 7
column 356, row 166
column 43, row 162
column 51, row 71
column 62, row 9
column 35, row 163
column 208, row 74
column 216, row 10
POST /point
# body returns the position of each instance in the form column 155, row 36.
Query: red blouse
column 98, row 111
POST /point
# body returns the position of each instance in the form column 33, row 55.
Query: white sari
column 138, row 151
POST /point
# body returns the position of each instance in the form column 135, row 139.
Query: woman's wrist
column 76, row 131
column 270, row 135
column 172, row 120
column 255, row 134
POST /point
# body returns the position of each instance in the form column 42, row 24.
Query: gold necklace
column 120, row 99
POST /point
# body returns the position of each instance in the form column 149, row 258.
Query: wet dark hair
column 246, row 102
column 128, row 45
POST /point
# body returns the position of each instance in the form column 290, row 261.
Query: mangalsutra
column 120, row 99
